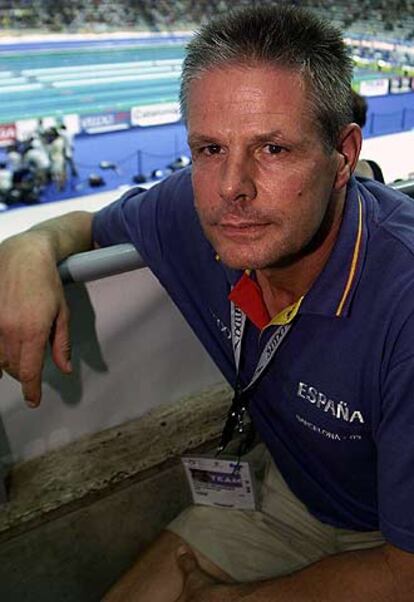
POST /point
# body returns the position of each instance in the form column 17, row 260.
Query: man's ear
column 348, row 149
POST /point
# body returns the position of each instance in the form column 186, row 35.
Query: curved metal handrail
column 406, row 186
column 93, row 265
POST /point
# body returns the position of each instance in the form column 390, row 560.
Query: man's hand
column 198, row 585
column 33, row 310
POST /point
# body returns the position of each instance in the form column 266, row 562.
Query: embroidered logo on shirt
column 223, row 328
column 338, row 409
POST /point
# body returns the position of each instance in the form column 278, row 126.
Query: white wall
column 132, row 351
column 393, row 153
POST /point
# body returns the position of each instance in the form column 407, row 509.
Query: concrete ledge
column 64, row 480
column 78, row 517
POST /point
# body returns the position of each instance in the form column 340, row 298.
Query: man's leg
column 156, row 576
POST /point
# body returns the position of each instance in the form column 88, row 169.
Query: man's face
column 262, row 178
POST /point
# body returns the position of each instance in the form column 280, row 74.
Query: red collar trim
column 247, row 295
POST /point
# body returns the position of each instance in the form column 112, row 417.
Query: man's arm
column 33, row 309
column 383, row 574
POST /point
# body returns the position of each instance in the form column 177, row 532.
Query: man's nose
column 237, row 178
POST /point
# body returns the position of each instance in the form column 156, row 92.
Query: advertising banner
column 374, row 87
column 25, row 128
column 7, row 133
column 156, row 114
column 98, row 123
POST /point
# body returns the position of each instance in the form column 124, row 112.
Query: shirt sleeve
column 147, row 219
column 395, row 442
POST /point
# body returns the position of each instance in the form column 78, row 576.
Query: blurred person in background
column 69, row 148
column 14, row 156
column 56, row 148
column 366, row 167
column 37, row 158
column 6, row 181
column 40, row 129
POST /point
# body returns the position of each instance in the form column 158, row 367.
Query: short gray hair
column 283, row 36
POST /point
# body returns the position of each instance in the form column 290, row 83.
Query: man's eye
column 274, row 149
column 211, row 149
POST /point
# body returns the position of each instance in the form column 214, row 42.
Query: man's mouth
column 240, row 227
column 239, row 223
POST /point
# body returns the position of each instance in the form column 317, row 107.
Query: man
column 56, row 149
column 36, row 158
column 69, row 147
column 321, row 354
column 366, row 168
column 6, row 180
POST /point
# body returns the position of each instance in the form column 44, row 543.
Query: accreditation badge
column 225, row 483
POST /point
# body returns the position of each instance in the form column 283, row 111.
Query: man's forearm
column 64, row 235
column 372, row 575
column 32, row 301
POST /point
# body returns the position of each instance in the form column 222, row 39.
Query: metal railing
column 406, row 186
column 93, row 265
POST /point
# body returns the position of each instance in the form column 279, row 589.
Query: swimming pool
column 54, row 79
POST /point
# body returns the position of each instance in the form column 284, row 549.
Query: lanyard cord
column 236, row 416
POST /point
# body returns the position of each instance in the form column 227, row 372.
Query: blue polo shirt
column 336, row 405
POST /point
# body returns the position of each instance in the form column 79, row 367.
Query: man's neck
column 282, row 286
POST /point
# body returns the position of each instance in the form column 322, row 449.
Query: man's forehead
column 254, row 100
column 245, row 87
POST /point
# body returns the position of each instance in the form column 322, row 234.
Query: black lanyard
column 236, row 417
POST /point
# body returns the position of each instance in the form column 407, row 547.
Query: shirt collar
column 334, row 289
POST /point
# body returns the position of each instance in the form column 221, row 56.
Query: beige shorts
column 279, row 538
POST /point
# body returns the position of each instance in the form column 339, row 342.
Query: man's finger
column 30, row 371
column 188, row 565
column 10, row 358
column 187, row 562
column 60, row 341
column 197, row 583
